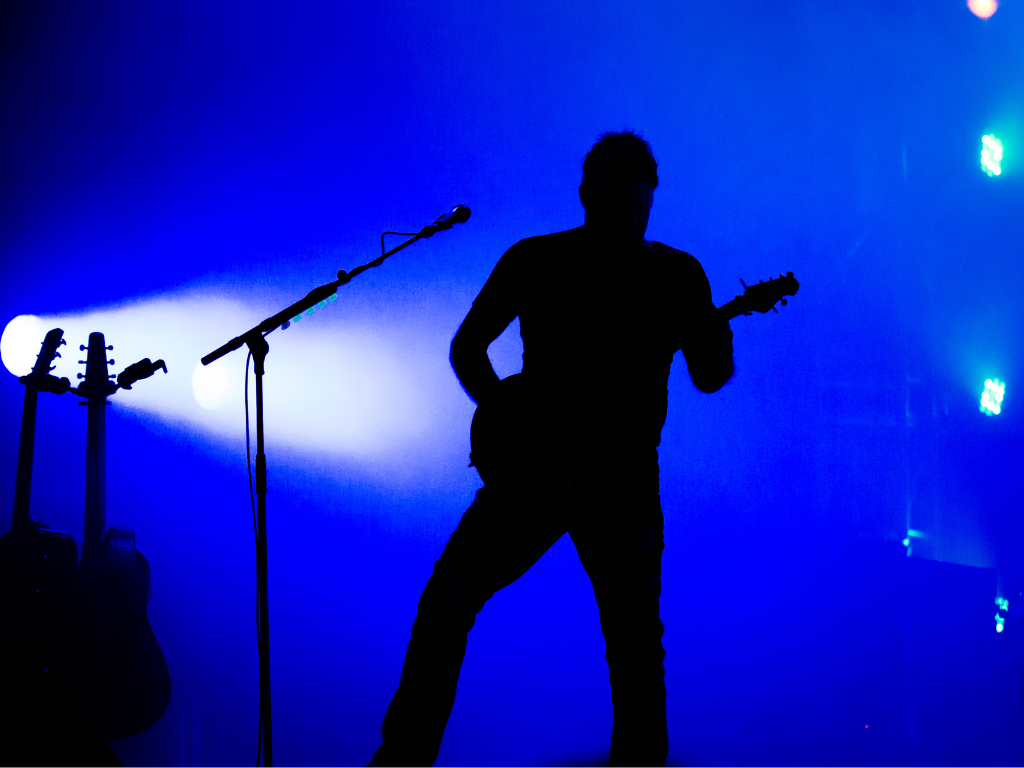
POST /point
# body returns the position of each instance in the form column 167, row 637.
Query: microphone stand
column 255, row 340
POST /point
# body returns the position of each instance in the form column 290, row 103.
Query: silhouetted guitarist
column 573, row 447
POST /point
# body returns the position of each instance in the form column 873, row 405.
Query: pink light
column 983, row 8
column 865, row 726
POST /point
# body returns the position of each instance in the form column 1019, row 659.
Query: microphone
column 456, row 215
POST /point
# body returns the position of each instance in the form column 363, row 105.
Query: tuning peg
column 82, row 347
column 56, row 354
column 111, row 346
column 62, row 342
column 81, row 375
column 81, row 362
column 784, row 302
column 110, row 361
column 789, row 274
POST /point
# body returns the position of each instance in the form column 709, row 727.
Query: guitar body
column 38, row 603
column 134, row 687
column 517, row 434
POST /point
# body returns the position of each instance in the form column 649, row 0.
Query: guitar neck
column 96, row 473
column 732, row 309
column 21, row 518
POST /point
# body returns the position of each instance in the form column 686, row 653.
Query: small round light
column 20, row 343
column 983, row 9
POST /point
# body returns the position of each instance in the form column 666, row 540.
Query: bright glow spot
column 20, row 343
column 983, row 9
column 865, row 726
column 991, row 155
column 999, row 627
column 210, row 385
column 1002, row 603
column 992, row 397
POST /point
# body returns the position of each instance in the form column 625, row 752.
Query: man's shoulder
column 549, row 241
column 675, row 254
column 675, row 259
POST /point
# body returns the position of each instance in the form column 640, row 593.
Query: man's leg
column 620, row 539
column 499, row 538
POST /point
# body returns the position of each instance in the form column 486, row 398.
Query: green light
column 319, row 304
column 991, row 155
column 1002, row 606
column 992, row 397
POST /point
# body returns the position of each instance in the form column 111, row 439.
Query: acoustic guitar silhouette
column 127, row 683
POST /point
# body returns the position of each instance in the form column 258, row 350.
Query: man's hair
column 620, row 158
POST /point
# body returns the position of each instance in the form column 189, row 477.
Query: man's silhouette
column 570, row 445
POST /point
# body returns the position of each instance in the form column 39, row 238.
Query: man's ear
column 584, row 196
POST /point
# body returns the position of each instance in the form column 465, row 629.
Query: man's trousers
column 619, row 538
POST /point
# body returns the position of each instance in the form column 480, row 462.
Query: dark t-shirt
column 599, row 332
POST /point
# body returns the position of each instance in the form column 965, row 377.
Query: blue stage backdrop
column 840, row 517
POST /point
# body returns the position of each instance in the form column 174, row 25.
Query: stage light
column 992, row 397
column 20, row 343
column 336, row 386
column 991, row 155
column 1002, row 606
column 983, row 9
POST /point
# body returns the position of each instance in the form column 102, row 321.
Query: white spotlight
column 20, row 343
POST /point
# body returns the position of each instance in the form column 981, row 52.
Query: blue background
column 165, row 164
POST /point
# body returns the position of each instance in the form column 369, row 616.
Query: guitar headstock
column 39, row 378
column 47, row 352
column 97, row 382
column 763, row 296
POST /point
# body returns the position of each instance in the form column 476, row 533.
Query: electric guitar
column 127, row 683
column 509, row 436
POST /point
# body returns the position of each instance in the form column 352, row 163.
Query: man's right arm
column 493, row 309
column 469, row 351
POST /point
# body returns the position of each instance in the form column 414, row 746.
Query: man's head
column 619, row 177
